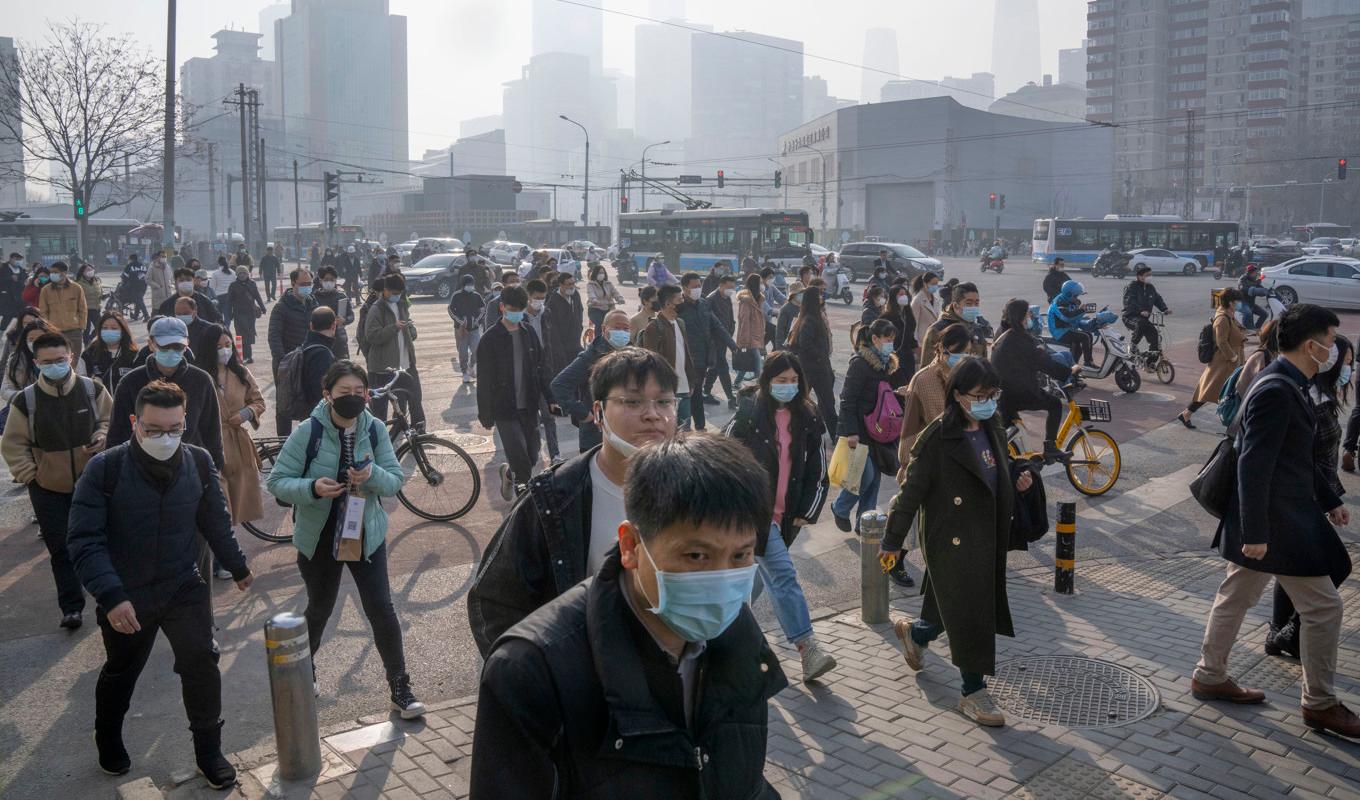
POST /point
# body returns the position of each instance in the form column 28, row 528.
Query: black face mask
column 348, row 406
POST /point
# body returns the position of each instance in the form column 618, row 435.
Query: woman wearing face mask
column 242, row 405
column 779, row 424
column 872, row 365
column 1229, row 338
column 601, row 297
column 20, row 370
column 350, row 456
column 810, row 340
column 875, row 303
column 959, row 480
column 112, row 352
column 245, row 305
column 33, row 288
column 1019, row 359
column 898, row 312
column 925, row 306
column 11, row 338
column 750, row 325
column 87, row 280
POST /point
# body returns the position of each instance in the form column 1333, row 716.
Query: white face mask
column 1332, row 356
column 731, row 292
column 536, row 305
column 161, row 448
column 185, row 286
column 695, row 293
column 328, row 285
column 223, row 355
column 616, row 441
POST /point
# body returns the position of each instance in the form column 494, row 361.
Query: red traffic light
column 721, row 179
column 1341, row 169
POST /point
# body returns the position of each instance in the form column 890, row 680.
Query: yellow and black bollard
column 1065, row 551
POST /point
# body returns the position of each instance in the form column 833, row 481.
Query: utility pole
column 1189, row 148
column 297, row 216
column 264, row 197
column 241, row 106
column 168, row 187
column 212, row 194
column 261, row 233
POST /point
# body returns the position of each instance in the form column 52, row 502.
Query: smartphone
column 362, row 465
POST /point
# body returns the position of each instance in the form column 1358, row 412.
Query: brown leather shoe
column 1338, row 719
column 1227, row 690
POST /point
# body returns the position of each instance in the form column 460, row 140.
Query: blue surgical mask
column 169, row 358
column 885, row 349
column 699, row 606
column 983, row 410
column 970, row 313
column 514, row 316
column 784, row 392
column 619, row 338
column 55, row 372
column 1344, row 378
column 111, row 337
column 953, row 359
column 187, row 319
column 305, row 290
column 934, row 288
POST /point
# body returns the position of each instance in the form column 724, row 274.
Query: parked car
column 1272, row 254
column 1162, row 261
column 1329, row 281
column 1349, row 247
column 435, row 274
column 508, row 252
column 858, row 258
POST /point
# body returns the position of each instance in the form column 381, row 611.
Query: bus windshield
column 777, row 238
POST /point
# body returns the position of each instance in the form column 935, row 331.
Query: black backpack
column 289, row 392
column 1206, row 343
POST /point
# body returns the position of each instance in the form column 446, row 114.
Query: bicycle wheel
column 1095, row 463
column 1166, row 371
column 442, row 482
column 277, row 523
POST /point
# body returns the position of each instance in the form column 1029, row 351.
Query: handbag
column 1216, row 482
column 1029, row 523
column 744, row 360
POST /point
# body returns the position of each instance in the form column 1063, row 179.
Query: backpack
column 884, row 423
column 361, row 338
column 1206, row 343
column 113, row 465
column 31, row 398
column 289, row 393
column 1229, row 399
column 314, row 434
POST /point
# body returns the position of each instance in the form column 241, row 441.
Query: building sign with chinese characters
column 812, row 137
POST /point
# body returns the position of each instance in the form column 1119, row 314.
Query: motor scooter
column 994, row 264
column 626, row 268
column 1111, row 263
column 1117, row 360
column 838, row 286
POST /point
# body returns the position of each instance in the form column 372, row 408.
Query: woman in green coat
column 959, row 479
column 343, row 450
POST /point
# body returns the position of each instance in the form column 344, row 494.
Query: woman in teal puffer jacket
column 340, row 435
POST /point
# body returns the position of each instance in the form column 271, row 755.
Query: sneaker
column 507, row 485
column 71, row 621
column 212, row 765
column 113, row 757
column 842, row 522
column 316, row 689
column 913, row 652
column 557, row 461
column 222, row 574
column 1283, row 640
column 980, row 708
column 403, row 701
column 466, row 379
column 816, row 661
column 900, row 576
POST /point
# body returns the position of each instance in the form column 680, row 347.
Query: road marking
column 1139, row 505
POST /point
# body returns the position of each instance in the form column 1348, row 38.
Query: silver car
column 1329, row 281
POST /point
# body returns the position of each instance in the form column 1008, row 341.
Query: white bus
column 694, row 240
column 1079, row 241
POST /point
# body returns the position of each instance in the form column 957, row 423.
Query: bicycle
column 1155, row 362
column 435, row 470
column 1095, row 461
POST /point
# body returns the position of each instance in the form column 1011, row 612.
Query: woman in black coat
column 112, row 353
column 900, row 315
column 1019, row 359
column 875, row 301
column 959, row 480
column 810, row 340
column 778, row 423
column 244, row 306
column 872, row 364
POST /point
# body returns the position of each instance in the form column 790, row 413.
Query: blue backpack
column 1229, row 399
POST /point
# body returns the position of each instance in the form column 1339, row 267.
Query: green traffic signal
column 80, row 208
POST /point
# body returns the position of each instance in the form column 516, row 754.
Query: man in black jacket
column 1279, row 524
column 1140, row 300
column 184, row 287
column 598, row 693
column 318, row 352
column 329, row 294
column 467, row 309
column 720, row 303
column 1055, row 278
column 704, row 330
column 269, row 272
column 562, row 323
column 548, row 543
column 289, row 321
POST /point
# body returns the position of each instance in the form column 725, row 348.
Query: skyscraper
column 880, row 61
column 269, row 16
column 11, row 152
column 662, row 79
column 747, row 90
column 567, row 28
column 1015, row 44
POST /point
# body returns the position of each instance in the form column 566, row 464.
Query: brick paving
column 873, row 729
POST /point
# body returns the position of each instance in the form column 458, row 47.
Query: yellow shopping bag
column 847, row 465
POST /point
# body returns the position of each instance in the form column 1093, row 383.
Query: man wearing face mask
column 185, row 286
column 391, row 337
column 186, row 311
column 667, row 336
column 654, row 676
column 534, row 319
column 562, row 323
column 55, row 427
column 62, row 304
column 160, row 278
column 705, row 334
column 467, row 309
column 965, row 307
column 203, row 419
column 720, row 304
column 330, row 295
column 571, row 386
column 289, row 321
column 269, row 271
column 141, row 589
column 12, row 278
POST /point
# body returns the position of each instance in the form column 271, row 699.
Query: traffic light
column 1341, row 169
column 991, row 200
column 330, row 218
column 1003, row 201
column 721, row 180
column 80, row 208
column 623, row 203
column 778, row 178
column 332, row 186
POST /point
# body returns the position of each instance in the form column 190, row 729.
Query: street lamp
column 644, row 170
column 585, row 197
column 823, row 155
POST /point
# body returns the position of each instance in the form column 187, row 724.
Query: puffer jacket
column 289, row 321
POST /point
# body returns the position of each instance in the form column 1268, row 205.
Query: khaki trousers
column 1319, row 607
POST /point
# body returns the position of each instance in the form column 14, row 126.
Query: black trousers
column 718, row 370
column 1143, row 329
column 1079, row 343
column 321, row 575
column 186, row 619
column 271, row 283
column 410, row 384
column 1349, row 441
column 823, row 384
column 520, row 441
column 1047, row 403
column 52, row 509
column 549, row 424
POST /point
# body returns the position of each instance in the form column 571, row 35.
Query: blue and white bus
column 694, row 240
column 1079, row 241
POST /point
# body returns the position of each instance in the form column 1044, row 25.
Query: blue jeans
column 923, row 633
column 867, row 497
column 786, row 596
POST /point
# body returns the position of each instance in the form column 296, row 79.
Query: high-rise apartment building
column 1072, row 66
column 1331, row 66
column 11, row 152
column 746, row 90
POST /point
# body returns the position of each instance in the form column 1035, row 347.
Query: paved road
column 46, row 697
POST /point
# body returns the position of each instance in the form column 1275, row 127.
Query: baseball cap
column 202, row 273
column 169, row 330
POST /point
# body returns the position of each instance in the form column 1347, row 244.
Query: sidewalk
column 873, row 729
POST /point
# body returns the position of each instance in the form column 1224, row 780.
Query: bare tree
column 91, row 109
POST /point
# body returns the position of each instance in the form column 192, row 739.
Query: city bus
column 694, row 240
column 52, row 239
column 1316, row 230
column 1079, row 241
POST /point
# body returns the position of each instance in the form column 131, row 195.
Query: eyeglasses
column 636, row 405
column 157, row 434
column 996, row 395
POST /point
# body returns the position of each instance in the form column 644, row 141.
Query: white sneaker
column 816, row 661
column 465, row 377
column 507, row 485
column 316, row 689
column 222, row 574
column 913, row 652
column 980, row 708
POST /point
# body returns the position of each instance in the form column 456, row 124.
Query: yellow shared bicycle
column 1093, row 461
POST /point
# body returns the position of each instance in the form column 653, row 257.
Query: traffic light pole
column 240, row 103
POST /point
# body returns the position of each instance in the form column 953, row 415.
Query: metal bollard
column 873, row 581
column 290, row 686
column 1065, row 551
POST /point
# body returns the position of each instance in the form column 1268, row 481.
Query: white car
column 1162, row 261
column 585, row 249
column 1329, row 281
column 508, row 252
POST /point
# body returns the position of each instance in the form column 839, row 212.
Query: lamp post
column 644, row 171
column 585, row 196
column 823, row 155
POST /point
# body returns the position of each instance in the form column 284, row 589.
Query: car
column 1329, row 281
column 1273, row 254
column 566, row 262
column 583, row 249
column 858, row 258
column 435, row 274
column 1349, row 247
column 508, row 252
column 1162, row 261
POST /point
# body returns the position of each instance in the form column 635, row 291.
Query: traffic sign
column 690, row 180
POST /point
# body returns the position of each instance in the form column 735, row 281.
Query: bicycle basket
column 1095, row 411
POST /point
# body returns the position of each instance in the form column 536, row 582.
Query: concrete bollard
column 1065, row 549
column 290, row 685
column 873, row 581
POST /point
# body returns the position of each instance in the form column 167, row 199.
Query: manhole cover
column 1072, row 691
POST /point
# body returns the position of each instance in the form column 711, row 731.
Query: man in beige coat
column 62, row 303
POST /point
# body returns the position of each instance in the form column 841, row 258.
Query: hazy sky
column 462, row 51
